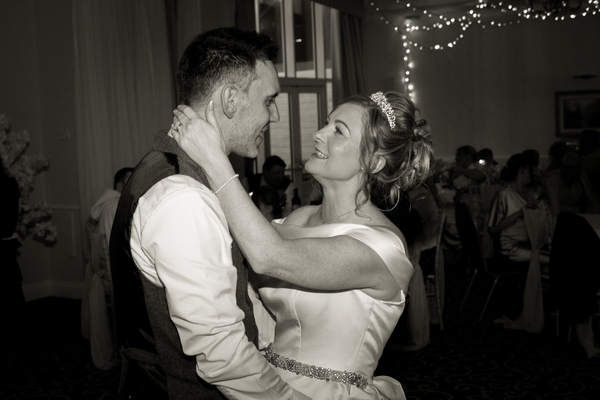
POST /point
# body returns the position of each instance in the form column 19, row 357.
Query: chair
column 436, row 281
column 574, row 275
column 494, row 267
column 488, row 193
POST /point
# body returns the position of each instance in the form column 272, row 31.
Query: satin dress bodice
column 342, row 330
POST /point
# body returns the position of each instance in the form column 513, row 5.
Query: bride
column 333, row 275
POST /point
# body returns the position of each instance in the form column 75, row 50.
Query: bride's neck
column 338, row 206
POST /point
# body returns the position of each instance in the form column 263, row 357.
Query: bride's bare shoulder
column 302, row 215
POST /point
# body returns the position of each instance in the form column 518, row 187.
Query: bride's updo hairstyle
column 392, row 131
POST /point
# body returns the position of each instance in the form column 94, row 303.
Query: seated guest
column 590, row 178
column 102, row 213
column 273, row 175
column 565, row 186
column 556, row 153
column 489, row 166
column 267, row 201
column 589, row 149
column 466, row 172
column 466, row 176
column 507, row 213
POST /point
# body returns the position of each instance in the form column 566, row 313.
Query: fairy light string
column 510, row 14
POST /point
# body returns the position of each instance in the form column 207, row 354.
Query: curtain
column 123, row 87
column 352, row 7
column 126, row 55
column 197, row 16
column 348, row 68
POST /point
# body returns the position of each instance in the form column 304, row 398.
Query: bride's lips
column 319, row 154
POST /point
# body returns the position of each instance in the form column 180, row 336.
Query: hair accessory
column 379, row 98
column 225, row 184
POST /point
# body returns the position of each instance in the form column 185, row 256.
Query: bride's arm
column 336, row 263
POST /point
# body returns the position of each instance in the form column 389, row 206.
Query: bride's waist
column 329, row 357
column 322, row 370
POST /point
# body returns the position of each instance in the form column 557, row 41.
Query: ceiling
column 396, row 11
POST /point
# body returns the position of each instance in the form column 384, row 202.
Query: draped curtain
column 123, row 87
column 126, row 55
column 348, row 69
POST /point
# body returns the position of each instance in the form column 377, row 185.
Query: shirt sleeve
column 187, row 237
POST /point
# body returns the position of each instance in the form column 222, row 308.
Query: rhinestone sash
column 312, row 371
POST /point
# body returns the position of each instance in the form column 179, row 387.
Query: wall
column 36, row 77
column 37, row 93
column 496, row 87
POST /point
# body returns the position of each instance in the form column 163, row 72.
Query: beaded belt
column 311, row 371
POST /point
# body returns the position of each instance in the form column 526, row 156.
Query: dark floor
column 468, row 360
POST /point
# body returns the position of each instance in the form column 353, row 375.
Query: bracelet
column 226, row 182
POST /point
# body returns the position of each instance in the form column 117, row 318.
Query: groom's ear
column 229, row 99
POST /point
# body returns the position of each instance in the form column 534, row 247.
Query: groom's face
column 257, row 110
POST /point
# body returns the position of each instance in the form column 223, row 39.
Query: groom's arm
column 188, row 239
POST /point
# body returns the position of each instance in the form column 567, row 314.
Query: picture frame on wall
column 577, row 111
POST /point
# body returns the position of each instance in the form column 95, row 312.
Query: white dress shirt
column 180, row 241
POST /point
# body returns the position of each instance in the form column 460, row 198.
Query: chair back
column 574, row 268
column 468, row 235
column 440, row 277
column 488, row 193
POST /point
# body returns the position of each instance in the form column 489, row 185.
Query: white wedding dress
column 340, row 331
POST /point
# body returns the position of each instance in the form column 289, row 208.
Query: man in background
column 102, row 213
column 273, row 175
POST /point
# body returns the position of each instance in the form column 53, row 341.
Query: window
column 302, row 29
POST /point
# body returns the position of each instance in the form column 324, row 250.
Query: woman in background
column 335, row 274
column 507, row 221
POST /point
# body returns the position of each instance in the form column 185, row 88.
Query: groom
column 185, row 321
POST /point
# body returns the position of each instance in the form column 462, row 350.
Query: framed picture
column 577, row 111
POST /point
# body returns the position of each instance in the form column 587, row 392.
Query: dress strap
column 312, row 371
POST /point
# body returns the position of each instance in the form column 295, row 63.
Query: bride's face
column 337, row 145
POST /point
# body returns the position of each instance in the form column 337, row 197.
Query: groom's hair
column 221, row 56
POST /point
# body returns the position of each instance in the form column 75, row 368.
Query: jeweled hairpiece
column 379, row 98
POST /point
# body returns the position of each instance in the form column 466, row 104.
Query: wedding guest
column 507, row 222
column 565, row 185
column 13, row 300
column 556, row 153
column 273, row 175
column 102, row 213
column 267, row 199
column 589, row 147
column 467, row 175
column 490, row 166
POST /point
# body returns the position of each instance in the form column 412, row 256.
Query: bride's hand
column 199, row 137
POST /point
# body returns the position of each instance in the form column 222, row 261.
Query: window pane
column 327, row 38
column 303, row 39
column 309, row 124
column 270, row 24
column 279, row 133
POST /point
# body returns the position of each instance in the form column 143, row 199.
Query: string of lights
column 510, row 14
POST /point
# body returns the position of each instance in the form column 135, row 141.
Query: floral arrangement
column 34, row 220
